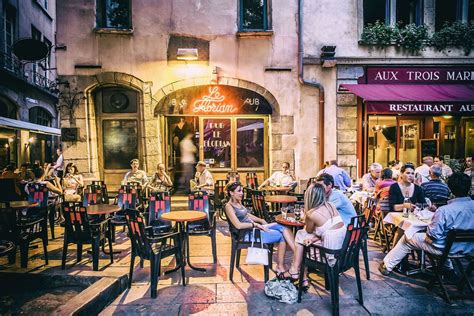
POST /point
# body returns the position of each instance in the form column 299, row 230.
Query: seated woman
column 160, row 180
column 241, row 218
column 323, row 225
column 405, row 188
column 72, row 182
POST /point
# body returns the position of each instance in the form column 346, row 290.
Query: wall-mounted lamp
column 31, row 140
column 187, row 54
column 328, row 58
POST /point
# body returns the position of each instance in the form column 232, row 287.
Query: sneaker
column 383, row 269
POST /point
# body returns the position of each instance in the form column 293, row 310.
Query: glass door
column 409, row 136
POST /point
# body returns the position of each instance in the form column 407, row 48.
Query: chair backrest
column 127, row 197
column 9, row 190
column 233, row 176
column 259, row 206
column 92, row 195
column 351, row 246
column 159, row 203
column 38, row 193
column 199, row 201
column 76, row 222
column 138, row 187
column 136, row 232
column 369, row 210
column 457, row 236
column 251, row 180
column 219, row 190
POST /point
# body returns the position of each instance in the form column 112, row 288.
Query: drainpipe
column 313, row 84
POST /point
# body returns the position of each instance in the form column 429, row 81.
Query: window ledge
column 255, row 33
column 106, row 30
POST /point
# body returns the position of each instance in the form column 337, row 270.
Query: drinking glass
column 284, row 211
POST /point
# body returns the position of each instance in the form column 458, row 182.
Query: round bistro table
column 284, row 199
column 181, row 217
column 102, row 209
column 290, row 222
column 22, row 204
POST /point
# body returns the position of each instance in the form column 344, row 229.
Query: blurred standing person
column 58, row 168
column 188, row 159
column 422, row 173
column 341, row 179
column 369, row 180
column 446, row 170
column 135, row 175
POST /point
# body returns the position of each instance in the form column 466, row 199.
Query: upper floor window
column 254, row 15
column 10, row 28
column 449, row 11
column 40, row 116
column 393, row 12
column 114, row 14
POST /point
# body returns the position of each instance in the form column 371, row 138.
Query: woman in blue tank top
column 241, row 218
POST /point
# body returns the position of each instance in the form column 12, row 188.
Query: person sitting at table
column 135, row 175
column 9, row 173
column 241, row 218
column 422, row 173
column 395, row 166
column 26, row 173
column 446, row 170
column 72, row 182
column 369, row 180
column 203, row 178
column 342, row 203
column 457, row 214
column 405, row 188
column 281, row 178
column 382, row 189
column 53, row 186
column 323, row 225
column 340, row 176
column 435, row 189
column 160, row 180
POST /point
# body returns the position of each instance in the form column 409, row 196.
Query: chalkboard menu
column 428, row 147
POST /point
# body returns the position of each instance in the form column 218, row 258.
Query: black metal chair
column 240, row 239
column 148, row 247
column 79, row 230
column 39, row 193
column 334, row 262
column 219, row 198
column 158, row 204
column 92, row 195
column 454, row 236
column 199, row 201
column 260, row 208
column 127, row 198
column 100, row 188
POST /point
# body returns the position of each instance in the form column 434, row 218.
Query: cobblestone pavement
column 211, row 293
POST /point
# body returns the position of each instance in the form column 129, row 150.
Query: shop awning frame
column 16, row 124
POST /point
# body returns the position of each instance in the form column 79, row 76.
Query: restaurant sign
column 431, row 108
column 214, row 100
column 419, row 75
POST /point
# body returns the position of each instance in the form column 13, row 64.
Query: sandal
column 291, row 276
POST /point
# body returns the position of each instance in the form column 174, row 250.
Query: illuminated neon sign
column 214, row 102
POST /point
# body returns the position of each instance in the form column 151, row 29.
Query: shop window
column 449, row 11
column 217, row 142
column 115, row 14
column 250, row 140
column 408, row 143
column 40, row 116
column 120, row 143
column 409, row 12
column 376, row 10
column 254, row 15
column 41, row 149
column 382, row 140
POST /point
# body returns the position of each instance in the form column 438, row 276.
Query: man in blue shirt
column 340, row 177
column 435, row 189
column 457, row 214
column 338, row 198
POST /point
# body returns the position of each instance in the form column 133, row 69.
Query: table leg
column 103, row 245
column 186, row 246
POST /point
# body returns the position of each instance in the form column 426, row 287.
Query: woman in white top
column 72, row 183
column 323, row 225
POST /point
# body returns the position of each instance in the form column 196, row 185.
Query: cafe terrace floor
column 211, row 293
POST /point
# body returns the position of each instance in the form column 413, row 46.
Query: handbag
column 257, row 255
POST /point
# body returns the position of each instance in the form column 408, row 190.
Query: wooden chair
column 79, row 230
column 251, row 180
column 260, row 208
column 199, row 201
column 159, row 203
column 334, row 262
column 240, row 239
column 368, row 213
column 219, row 198
column 148, row 247
column 454, row 236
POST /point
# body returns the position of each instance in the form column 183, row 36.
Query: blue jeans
column 274, row 235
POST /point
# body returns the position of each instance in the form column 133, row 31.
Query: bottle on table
column 406, row 206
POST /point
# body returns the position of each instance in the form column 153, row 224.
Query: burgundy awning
column 413, row 93
column 433, row 98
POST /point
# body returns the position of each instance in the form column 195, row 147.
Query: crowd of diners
column 327, row 206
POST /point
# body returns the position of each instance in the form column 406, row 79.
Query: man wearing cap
column 203, row 178
column 435, row 189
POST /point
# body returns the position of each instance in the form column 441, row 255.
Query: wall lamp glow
column 187, row 54
column 31, row 140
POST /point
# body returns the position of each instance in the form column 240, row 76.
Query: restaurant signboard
column 213, row 100
column 432, row 108
column 419, row 75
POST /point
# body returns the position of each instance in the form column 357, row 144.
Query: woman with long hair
column 72, row 182
column 323, row 225
column 241, row 218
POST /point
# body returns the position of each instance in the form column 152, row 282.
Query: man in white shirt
column 446, row 170
column 281, row 178
column 369, row 180
column 422, row 173
column 203, row 178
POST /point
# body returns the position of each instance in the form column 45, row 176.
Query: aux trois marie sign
column 214, row 100
column 420, row 75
